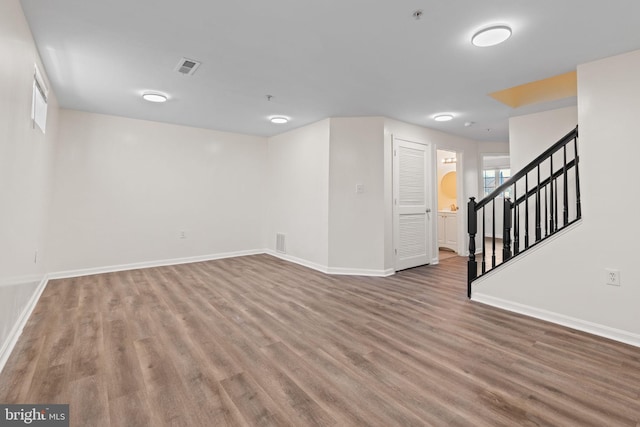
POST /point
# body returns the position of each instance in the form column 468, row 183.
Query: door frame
column 462, row 247
column 431, row 178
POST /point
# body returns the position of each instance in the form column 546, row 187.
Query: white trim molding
column 16, row 331
column 331, row 270
column 560, row 319
column 361, row 272
column 161, row 263
column 150, row 264
column 303, row 262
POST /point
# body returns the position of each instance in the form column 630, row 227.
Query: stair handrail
column 529, row 167
column 511, row 210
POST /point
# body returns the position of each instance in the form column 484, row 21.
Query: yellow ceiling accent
column 550, row 89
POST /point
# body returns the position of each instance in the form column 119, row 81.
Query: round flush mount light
column 279, row 120
column 154, row 97
column 443, row 117
column 491, row 36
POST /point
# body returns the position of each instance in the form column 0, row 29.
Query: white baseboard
column 16, row 331
column 303, row 262
column 134, row 266
column 560, row 319
column 150, row 264
column 331, row 270
column 362, row 272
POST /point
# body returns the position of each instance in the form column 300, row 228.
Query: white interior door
column 411, row 204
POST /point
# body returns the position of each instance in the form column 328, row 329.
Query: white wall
column 298, row 198
column 313, row 172
column 357, row 221
column 493, row 147
column 531, row 135
column 26, row 162
column 564, row 280
column 467, row 175
column 125, row 189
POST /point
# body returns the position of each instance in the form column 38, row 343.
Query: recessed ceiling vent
column 187, row 66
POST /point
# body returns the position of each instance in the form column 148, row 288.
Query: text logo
column 34, row 415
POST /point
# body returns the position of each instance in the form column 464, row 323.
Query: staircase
column 535, row 203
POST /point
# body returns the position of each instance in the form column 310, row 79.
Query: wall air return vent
column 187, row 66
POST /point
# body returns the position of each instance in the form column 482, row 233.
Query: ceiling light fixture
column 491, row 36
column 279, row 120
column 154, row 97
column 443, row 117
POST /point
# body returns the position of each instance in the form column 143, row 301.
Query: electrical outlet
column 183, row 234
column 612, row 276
column 359, row 188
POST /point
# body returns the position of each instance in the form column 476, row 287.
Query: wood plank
column 252, row 402
column 17, row 375
column 91, row 402
column 259, row 341
column 130, row 410
column 166, row 395
column 49, row 385
column 121, row 367
column 88, row 350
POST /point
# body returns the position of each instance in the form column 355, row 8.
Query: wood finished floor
column 258, row 341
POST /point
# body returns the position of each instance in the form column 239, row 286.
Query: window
column 493, row 178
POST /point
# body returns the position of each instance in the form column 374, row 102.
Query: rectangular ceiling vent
column 187, row 66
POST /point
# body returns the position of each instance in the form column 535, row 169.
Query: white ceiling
column 318, row 59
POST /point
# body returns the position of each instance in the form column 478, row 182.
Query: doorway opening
column 448, row 209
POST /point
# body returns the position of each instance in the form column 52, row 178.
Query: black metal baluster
column 506, row 236
column 516, row 221
column 555, row 219
column 484, row 254
column 538, row 228
column 526, row 211
column 546, row 212
column 472, row 225
column 493, row 237
column 576, row 157
column 512, row 206
column 565, row 189
column 551, row 197
column 516, row 229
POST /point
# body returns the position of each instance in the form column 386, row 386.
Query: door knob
column 428, row 210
